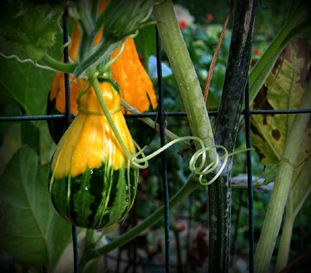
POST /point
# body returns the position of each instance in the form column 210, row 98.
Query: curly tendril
column 68, row 37
column 140, row 161
column 201, row 170
column 29, row 60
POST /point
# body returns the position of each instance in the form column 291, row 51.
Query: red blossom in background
column 209, row 16
column 256, row 51
column 182, row 24
column 141, row 58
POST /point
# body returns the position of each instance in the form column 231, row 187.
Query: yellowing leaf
column 282, row 90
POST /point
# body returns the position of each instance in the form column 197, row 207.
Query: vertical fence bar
column 68, row 121
column 249, row 180
column 163, row 154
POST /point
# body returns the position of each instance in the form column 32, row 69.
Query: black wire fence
column 161, row 116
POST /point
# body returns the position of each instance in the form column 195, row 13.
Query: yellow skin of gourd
column 89, row 140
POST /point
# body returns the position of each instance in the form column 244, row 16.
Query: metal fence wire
column 161, row 115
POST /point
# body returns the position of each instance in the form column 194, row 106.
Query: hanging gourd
column 137, row 90
column 128, row 72
column 91, row 183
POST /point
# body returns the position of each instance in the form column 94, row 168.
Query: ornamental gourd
column 128, row 72
column 91, row 183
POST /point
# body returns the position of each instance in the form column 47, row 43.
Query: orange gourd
column 128, row 72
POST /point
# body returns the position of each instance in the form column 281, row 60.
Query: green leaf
column 31, row 229
column 47, row 145
column 30, row 136
column 25, row 84
column 26, row 29
column 11, row 143
column 282, row 90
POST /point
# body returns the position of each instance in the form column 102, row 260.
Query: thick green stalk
column 66, row 68
column 184, row 192
column 85, row 20
column 280, row 191
column 227, row 127
column 184, row 72
column 285, row 239
column 294, row 204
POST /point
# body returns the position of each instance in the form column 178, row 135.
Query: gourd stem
column 85, row 19
column 66, row 68
column 95, row 84
column 99, row 54
column 94, row 10
column 184, row 192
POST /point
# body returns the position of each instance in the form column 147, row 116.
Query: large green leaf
column 11, row 143
column 26, row 29
column 31, row 229
column 25, row 84
column 282, row 90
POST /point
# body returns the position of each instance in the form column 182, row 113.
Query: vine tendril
column 68, row 37
column 140, row 161
column 29, row 60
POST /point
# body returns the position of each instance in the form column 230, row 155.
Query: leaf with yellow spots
column 282, row 90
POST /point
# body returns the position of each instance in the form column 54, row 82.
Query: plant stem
column 66, row 68
column 184, row 73
column 184, row 192
column 101, row 52
column 94, row 10
column 280, row 191
column 285, row 238
column 295, row 202
column 95, row 84
column 89, row 238
column 85, row 19
column 227, row 126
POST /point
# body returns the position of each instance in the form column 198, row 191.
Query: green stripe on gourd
column 91, row 183
column 96, row 198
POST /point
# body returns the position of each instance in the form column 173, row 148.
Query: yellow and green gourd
column 128, row 72
column 91, row 184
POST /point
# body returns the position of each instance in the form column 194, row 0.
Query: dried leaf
column 282, row 90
